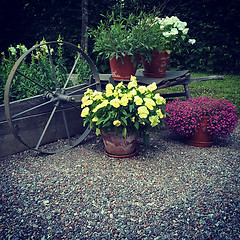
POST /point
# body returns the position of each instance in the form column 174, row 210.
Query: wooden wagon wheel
column 45, row 72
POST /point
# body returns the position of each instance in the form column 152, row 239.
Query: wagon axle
column 56, row 96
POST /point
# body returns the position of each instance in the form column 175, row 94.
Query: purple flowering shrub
column 184, row 116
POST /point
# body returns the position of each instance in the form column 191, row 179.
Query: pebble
column 168, row 191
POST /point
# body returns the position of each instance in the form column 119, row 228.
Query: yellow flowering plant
column 124, row 108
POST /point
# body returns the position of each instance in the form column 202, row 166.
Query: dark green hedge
column 214, row 24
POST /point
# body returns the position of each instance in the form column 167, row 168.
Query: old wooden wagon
column 53, row 112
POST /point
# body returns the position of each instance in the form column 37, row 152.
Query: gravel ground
column 168, row 191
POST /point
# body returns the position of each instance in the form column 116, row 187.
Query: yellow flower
column 159, row 113
column 119, row 85
column 84, row 99
column 89, row 91
column 118, row 93
column 149, row 103
column 95, row 109
column 97, row 97
column 129, row 96
column 133, row 119
column 103, row 104
column 134, row 92
column 159, row 99
column 88, row 102
column 95, row 119
column 154, row 120
column 85, row 112
column 132, row 83
column 98, row 131
column 133, row 78
column 109, row 93
column 115, row 102
column 142, row 89
column 152, row 87
column 115, row 94
column 143, row 112
column 117, row 123
column 138, row 100
column 109, row 90
column 124, row 101
column 109, row 87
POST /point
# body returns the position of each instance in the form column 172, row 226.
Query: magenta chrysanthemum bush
column 184, row 116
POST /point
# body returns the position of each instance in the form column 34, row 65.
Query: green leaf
column 131, row 107
column 106, row 119
column 99, row 121
column 136, row 125
column 124, row 132
column 124, row 120
column 124, row 112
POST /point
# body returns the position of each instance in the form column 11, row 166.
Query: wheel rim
column 55, row 94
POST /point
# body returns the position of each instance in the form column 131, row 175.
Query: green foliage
column 114, row 36
column 214, row 24
column 83, row 70
column 37, row 66
column 6, row 65
column 216, row 27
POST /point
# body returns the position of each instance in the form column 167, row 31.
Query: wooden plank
column 25, row 104
column 171, row 95
column 170, row 75
column 8, row 143
column 30, row 126
column 30, row 129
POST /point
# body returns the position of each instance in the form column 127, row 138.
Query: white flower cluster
column 172, row 26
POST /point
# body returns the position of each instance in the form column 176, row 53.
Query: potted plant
column 122, row 111
column 209, row 116
column 115, row 40
column 157, row 38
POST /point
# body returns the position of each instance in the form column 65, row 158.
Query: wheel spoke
column 71, row 104
column 34, row 82
column 47, row 124
column 84, row 88
column 53, row 68
column 70, row 74
column 31, row 109
column 66, row 126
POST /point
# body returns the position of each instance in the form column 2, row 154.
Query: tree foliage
column 215, row 25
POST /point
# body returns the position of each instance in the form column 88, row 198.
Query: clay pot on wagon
column 157, row 66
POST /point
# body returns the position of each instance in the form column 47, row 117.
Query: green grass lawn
column 229, row 88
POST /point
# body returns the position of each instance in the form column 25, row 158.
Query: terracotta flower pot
column 122, row 68
column 201, row 138
column 117, row 146
column 157, row 67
